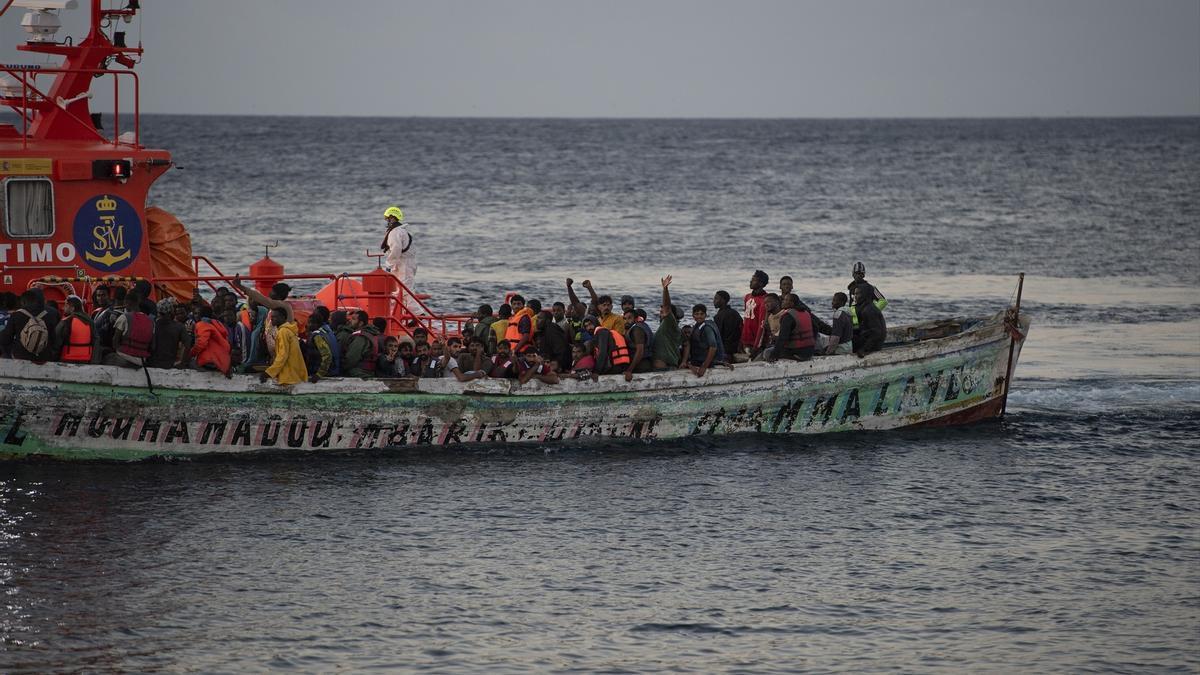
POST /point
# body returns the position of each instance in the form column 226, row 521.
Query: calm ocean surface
column 1065, row 538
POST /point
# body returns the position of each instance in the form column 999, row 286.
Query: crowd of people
column 241, row 330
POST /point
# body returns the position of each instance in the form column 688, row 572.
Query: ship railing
column 401, row 318
column 33, row 100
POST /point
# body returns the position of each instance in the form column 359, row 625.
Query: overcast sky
column 664, row 58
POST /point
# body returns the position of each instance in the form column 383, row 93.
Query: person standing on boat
column 397, row 244
column 729, row 324
column 860, row 281
column 755, row 309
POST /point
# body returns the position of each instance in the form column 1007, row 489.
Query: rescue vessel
column 73, row 202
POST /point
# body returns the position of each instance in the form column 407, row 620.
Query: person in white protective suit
column 401, row 259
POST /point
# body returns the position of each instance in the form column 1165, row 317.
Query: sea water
column 1064, row 538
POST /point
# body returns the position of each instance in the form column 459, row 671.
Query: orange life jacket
column 802, row 333
column 212, row 345
column 512, row 335
column 620, row 349
column 79, row 342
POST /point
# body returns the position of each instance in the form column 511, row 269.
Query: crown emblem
column 106, row 203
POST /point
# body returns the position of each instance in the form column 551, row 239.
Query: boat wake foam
column 1101, row 395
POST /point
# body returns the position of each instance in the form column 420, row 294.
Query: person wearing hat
column 860, row 280
column 397, row 244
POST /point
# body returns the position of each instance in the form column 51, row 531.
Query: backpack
column 34, row 337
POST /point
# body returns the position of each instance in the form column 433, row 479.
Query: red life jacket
column 79, row 342
column 802, row 332
column 139, row 332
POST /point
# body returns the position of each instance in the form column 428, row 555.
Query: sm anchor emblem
column 108, row 232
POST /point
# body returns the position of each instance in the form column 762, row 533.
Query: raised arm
column 666, row 281
column 261, row 299
column 587, row 283
column 575, row 302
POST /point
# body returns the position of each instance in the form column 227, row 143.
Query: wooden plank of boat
column 102, row 412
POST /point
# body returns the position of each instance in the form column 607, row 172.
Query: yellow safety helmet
column 394, row 211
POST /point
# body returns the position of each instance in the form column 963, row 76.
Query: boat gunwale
column 55, row 374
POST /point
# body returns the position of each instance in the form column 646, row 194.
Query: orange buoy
column 266, row 272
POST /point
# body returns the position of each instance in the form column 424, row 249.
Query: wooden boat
column 75, row 218
column 941, row 373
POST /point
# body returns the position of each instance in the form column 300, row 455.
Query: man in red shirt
column 756, row 311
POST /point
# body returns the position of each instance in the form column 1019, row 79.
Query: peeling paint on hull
column 100, row 412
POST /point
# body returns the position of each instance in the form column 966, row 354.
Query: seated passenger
column 603, row 305
column 211, row 349
column 75, row 335
column 640, row 338
column 502, row 365
column 322, row 355
column 482, row 331
column 842, row 334
column 239, row 336
column 706, row 347
column 582, row 363
column 474, row 358
column 500, row 325
column 520, row 331
column 288, row 365
column 795, row 340
column 34, row 344
column 558, row 312
column 668, row 340
column 609, row 348
column 872, row 328
column 552, row 342
column 339, row 322
column 404, row 359
column 442, row 364
column 385, row 365
column 420, row 360
column 530, row 365
column 133, row 334
column 362, row 351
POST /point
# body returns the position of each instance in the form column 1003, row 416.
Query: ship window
column 28, row 206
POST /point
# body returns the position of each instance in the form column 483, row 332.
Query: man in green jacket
column 363, row 347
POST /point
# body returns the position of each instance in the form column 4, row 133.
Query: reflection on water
column 1061, row 539
column 1047, row 542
